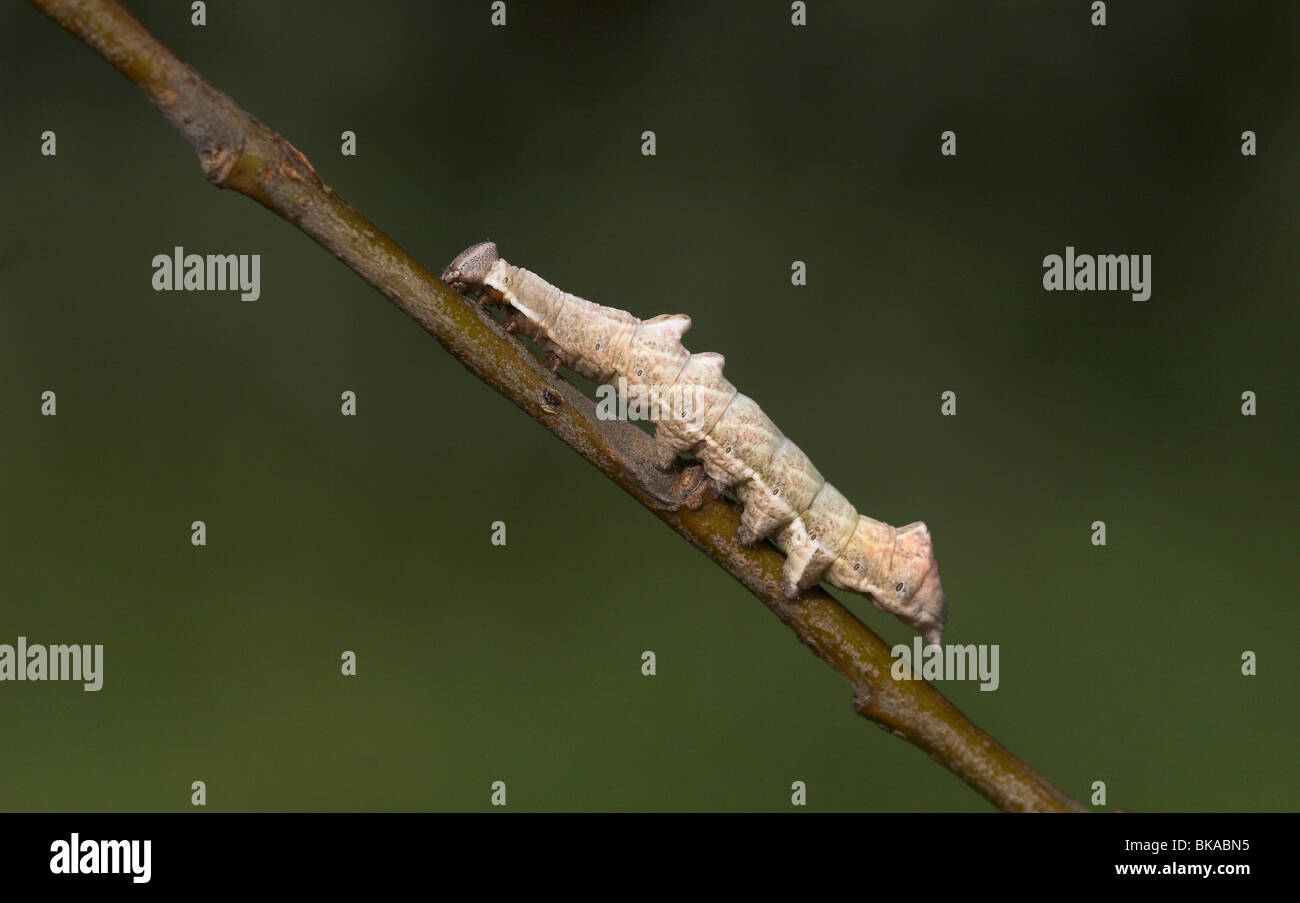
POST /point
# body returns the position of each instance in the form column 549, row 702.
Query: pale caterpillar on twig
column 785, row 498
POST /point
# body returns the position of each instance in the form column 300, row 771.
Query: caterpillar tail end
column 932, row 615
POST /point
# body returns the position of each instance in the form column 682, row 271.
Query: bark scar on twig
column 695, row 487
column 217, row 161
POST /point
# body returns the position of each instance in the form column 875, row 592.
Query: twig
column 239, row 152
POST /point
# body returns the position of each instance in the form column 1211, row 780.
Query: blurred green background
column 479, row 663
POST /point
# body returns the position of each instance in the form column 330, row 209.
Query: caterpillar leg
column 665, row 458
column 806, row 561
column 795, row 571
column 755, row 525
column 668, row 445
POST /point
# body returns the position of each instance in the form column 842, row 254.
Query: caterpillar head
column 913, row 590
column 466, row 272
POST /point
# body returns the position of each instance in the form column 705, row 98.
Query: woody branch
column 240, row 153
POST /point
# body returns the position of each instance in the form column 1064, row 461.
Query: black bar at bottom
column 496, row 850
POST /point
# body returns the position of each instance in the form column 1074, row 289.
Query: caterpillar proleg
column 785, row 497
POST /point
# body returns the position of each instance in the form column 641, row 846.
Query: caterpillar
column 785, row 498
